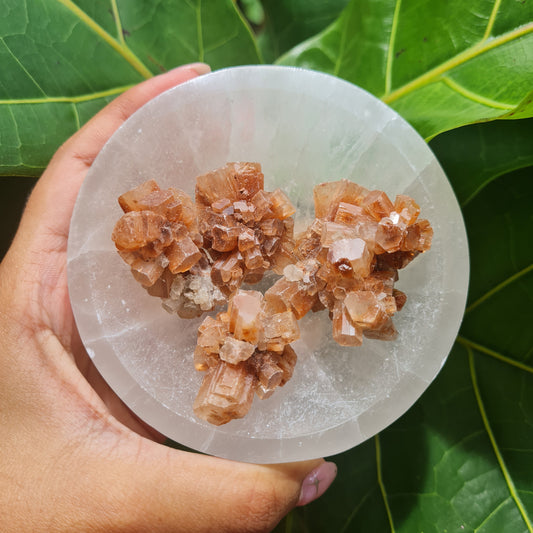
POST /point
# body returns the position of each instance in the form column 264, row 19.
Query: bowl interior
column 304, row 128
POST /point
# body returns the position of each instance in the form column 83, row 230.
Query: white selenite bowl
column 304, row 128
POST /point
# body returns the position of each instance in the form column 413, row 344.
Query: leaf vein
column 124, row 51
column 76, row 115
column 470, row 53
column 475, row 97
column 497, row 452
column 342, row 46
column 355, row 511
column 499, row 287
column 118, row 22
column 34, row 81
column 67, row 99
column 199, row 31
column 392, row 40
column 222, row 42
column 492, row 513
column 17, row 133
column 492, row 18
column 487, row 351
column 380, row 482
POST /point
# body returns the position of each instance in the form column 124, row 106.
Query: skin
column 73, row 457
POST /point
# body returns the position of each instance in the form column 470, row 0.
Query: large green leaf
column 462, row 458
column 472, row 156
column 62, row 60
column 289, row 22
column 439, row 64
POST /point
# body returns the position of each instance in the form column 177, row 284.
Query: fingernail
column 200, row 68
column 317, row 482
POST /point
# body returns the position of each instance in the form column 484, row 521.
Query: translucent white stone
column 304, row 128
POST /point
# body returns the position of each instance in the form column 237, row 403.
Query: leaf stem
column 380, row 482
column 474, row 51
column 510, row 485
column 124, row 51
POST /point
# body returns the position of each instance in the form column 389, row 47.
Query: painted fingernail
column 317, row 482
column 200, row 68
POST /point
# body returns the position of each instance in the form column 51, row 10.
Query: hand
column 73, row 457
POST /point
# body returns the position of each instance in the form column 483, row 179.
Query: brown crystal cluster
column 246, row 229
column 158, row 238
column 196, row 256
column 244, row 350
column 347, row 260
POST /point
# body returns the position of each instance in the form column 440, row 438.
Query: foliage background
column 462, row 73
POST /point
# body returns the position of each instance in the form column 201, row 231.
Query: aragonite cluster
column 197, row 255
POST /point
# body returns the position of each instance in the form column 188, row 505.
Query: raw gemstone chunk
column 400, row 298
column 265, row 367
column 212, row 334
column 130, row 200
column 146, row 271
column 348, row 213
column 287, row 362
column 389, row 236
column 182, row 255
column 280, row 205
column 387, row 332
column 280, row 329
column 226, row 393
column 351, row 255
column 327, row 196
column 193, row 293
column 137, row 229
column 235, row 181
column 161, row 288
column 345, row 332
column 245, row 315
column 188, row 212
column 377, row 204
column 407, row 209
column 162, row 202
column 234, row 351
column 365, row 309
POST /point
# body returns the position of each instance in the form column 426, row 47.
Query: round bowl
column 304, row 128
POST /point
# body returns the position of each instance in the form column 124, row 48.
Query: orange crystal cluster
column 246, row 229
column 158, row 238
column 347, row 260
column 196, row 256
column 244, row 350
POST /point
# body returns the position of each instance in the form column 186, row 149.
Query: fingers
column 85, row 145
column 168, row 490
column 53, row 198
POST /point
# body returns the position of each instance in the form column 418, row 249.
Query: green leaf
column 439, row 64
column 472, row 156
column 289, row 22
column 461, row 459
column 62, row 61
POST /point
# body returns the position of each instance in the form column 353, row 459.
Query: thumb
column 162, row 489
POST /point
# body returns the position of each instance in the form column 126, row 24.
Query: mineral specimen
column 246, row 229
column 243, row 350
column 195, row 256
